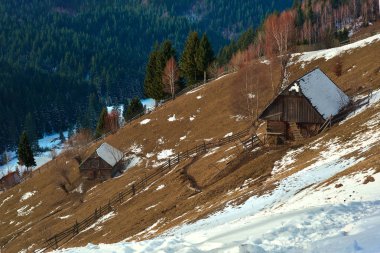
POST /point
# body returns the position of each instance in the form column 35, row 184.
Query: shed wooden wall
column 95, row 167
column 292, row 108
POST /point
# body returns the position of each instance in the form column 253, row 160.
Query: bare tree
column 112, row 121
column 170, row 77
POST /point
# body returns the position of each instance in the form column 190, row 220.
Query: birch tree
column 170, row 77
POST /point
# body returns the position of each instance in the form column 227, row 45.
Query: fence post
column 96, row 213
column 178, row 158
column 133, row 190
column 169, row 163
column 204, row 147
column 109, row 205
column 56, row 242
column 76, row 227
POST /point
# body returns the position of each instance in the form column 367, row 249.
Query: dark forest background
column 62, row 60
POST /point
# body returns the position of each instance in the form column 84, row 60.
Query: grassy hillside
column 222, row 175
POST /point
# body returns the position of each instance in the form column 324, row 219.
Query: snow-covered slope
column 308, row 211
column 328, row 54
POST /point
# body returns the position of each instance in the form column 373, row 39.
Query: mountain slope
column 325, row 196
column 273, row 178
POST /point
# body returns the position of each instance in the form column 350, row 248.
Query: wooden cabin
column 10, row 180
column 106, row 162
column 301, row 108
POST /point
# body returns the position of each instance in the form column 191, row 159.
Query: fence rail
column 120, row 197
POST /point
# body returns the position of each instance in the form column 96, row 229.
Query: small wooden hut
column 301, row 108
column 106, row 162
column 10, row 180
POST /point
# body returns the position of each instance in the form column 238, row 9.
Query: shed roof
column 324, row 95
column 109, row 154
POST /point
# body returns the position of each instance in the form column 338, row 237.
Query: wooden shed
column 106, row 162
column 302, row 107
column 10, row 180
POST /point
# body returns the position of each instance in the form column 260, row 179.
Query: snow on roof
column 109, row 154
column 323, row 94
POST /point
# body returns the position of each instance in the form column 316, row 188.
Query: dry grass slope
column 194, row 188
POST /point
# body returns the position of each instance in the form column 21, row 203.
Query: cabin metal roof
column 109, row 154
column 323, row 94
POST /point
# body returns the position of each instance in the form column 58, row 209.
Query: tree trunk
column 204, row 76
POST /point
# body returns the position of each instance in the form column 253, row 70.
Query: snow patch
column 165, row 154
column 131, row 161
column 228, row 135
column 161, row 141
column 195, row 90
column 26, row 210
column 148, row 103
column 251, row 95
column 172, row 118
column 65, row 217
column 373, row 99
column 5, row 200
column 225, row 159
column 162, row 186
column 136, row 148
column 27, row 195
column 151, row 207
column 295, row 88
column 211, row 151
column 79, row 189
column 328, row 54
column 238, row 117
column 145, row 121
column 149, row 155
column 101, row 220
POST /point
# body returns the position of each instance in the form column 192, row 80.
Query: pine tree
column 153, row 88
column 133, row 108
column 310, row 13
column 62, row 137
column 204, row 56
column 25, row 154
column 188, row 63
column 300, row 19
column 101, row 126
column 31, row 130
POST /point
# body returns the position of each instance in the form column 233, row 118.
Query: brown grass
column 220, row 180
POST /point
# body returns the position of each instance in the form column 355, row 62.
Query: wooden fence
column 75, row 229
